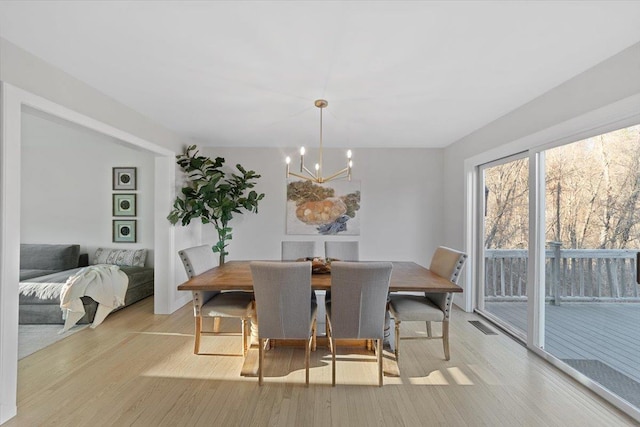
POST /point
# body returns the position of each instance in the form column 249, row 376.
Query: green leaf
column 212, row 195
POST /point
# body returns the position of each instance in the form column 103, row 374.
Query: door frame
column 12, row 102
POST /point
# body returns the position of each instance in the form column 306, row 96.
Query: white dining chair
column 215, row 304
column 357, row 309
column 430, row 307
column 284, row 307
column 342, row 251
column 294, row 250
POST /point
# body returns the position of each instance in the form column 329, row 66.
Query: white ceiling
column 396, row 74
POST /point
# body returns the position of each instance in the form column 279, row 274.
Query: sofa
column 39, row 259
column 45, row 268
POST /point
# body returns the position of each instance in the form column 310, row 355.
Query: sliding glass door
column 502, row 293
column 577, row 298
column 592, row 220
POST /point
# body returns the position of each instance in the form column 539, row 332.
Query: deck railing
column 571, row 275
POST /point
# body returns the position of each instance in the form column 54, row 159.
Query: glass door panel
column 592, row 299
column 505, row 193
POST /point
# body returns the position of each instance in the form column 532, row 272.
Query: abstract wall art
column 323, row 209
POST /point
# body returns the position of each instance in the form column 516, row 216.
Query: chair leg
column 445, row 339
column 196, row 348
column 260, row 359
column 326, row 331
column 244, row 336
column 429, row 334
column 332, row 346
column 314, row 331
column 379, row 351
column 333, row 363
column 397, row 339
column 248, row 334
column 307, row 354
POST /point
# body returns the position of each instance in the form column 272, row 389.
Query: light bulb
column 317, row 166
column 288, row 160
column 350, row 163
column 302, row 151
column 348, row 154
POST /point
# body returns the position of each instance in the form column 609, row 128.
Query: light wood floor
column 139, row 369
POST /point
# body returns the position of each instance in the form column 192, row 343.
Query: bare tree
column 592, row 190
column 506, row 221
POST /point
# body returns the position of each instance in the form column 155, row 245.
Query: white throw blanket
column 41, row 290
column 106, row 284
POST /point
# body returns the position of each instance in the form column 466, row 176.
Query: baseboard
column 7, row 412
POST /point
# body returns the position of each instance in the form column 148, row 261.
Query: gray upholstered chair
column 358, row 306
column 430, row 307
column 284, row 308
column 293, row 250
column 343, row 251
column 215, row 304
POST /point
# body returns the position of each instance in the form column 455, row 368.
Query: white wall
column 535, row 124
column 27, row 80
column 26, row 71
column 401, row 202
column 67, row 186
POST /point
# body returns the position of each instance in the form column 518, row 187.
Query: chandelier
column 317, row 176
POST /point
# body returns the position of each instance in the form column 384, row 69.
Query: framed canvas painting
column 323, row 209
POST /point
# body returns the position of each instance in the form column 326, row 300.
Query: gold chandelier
column 317, row 176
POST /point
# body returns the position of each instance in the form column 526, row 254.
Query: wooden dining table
column 236, row 276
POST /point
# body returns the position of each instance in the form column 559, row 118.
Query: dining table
column 406, row 276
column 236, row 276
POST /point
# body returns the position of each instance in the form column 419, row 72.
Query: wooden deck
column 607, row 332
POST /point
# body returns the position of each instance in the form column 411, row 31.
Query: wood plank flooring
column 138, row 369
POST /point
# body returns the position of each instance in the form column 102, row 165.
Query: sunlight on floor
column 434, row 378
column 459, row 377
column 448, row 376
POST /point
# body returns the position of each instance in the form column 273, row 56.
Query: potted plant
column 213, row 195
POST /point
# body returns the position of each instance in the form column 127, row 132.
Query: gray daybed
column 51, row 265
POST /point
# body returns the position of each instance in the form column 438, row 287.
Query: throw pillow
column 123, row 257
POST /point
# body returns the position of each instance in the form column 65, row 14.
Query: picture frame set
column 124, row 230
column 124, row 205
column 124, row 178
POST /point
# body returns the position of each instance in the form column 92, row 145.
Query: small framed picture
column 124, row 230
column 124, row 178
column 124, row 204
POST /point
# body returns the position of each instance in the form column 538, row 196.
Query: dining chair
column 357, row 309
column 215, row 304
column 284, row 307
column 430, row 307
column 342, row 251
column 294, row 250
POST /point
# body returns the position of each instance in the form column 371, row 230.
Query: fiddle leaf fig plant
column 213, row 195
